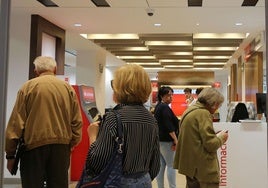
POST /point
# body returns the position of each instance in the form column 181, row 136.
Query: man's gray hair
column 44, row 63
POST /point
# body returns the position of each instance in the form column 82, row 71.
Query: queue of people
column 47, row 115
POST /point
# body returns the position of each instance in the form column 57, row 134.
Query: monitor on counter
column 261, row 103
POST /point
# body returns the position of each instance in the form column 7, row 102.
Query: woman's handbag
column 110, row 176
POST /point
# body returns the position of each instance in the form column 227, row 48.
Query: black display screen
column 261, row 103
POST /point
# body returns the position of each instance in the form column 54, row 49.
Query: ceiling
column 190, row 37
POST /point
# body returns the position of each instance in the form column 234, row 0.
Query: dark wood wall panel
column 39, row 26
column 233, row 80
column 240, row 70
column 185, row 78
column 254, row 76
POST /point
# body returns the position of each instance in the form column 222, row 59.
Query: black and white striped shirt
column 141, row 141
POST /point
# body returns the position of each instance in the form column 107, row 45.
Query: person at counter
column 189, row 97
column 196, row 152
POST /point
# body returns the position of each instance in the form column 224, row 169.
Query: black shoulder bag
column 19, row 152
column 110, row 176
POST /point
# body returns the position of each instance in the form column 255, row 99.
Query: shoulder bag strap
column 119, row 138
column 188, row 113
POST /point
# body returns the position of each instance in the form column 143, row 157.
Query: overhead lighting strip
column 135, row 57
column 219, row 36
column 176, row 60
column 209, row 63
column 112, row 36
column 212, row 57
column 168, row 43
column 214, row 48
column 178, row 66
column 139, row 63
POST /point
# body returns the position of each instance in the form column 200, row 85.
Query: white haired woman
column 196, row 153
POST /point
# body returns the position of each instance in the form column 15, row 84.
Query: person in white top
column 188, row 95
column 190, row 99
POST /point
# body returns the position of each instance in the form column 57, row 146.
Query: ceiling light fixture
column 112, row 36
column 214, row 48
column 168, row 43
column 153, row 68
column 137, row 48
column 205, row 68
column 211, row 57
column 180, row 53
column 219, row 35
column 238, row 24
column 209, row 63
column 147, row 63
column 176, row 60
column 136, row 57
column 77, row 25
column 84, row 36
column 157, row 24
column 178, row 66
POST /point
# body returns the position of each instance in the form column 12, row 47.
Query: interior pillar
column 4, row 38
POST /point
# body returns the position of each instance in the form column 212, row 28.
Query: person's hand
column 223, row 135
column 93, row 130
column 174, row 145
column 10, row 164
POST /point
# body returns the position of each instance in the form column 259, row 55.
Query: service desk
column 243, row 158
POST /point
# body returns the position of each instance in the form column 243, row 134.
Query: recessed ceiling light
column 157, row 24
column 77, row 25
column 238, row 24
column 197, row 24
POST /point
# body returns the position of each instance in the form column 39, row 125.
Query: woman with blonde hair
column 141, row 161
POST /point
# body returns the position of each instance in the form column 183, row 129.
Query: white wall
column 18, row 66
column 87, row 73
column 222, row 77
column 70, row 67
column 108, row 89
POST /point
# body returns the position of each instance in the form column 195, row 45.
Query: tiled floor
column 180, row 183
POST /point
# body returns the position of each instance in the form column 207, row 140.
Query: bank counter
column 243, row 158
